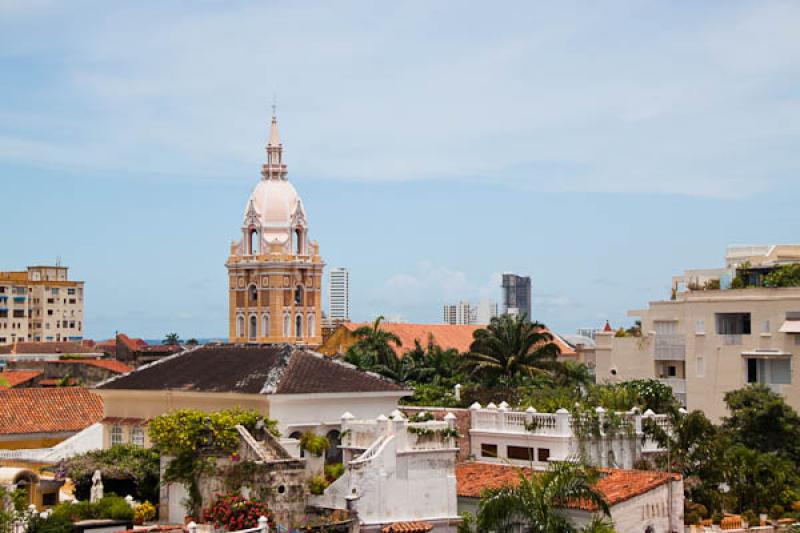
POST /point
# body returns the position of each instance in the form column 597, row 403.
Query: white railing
column 678, row 385
column 263, row 527
column 426, row 435
column 731, row 340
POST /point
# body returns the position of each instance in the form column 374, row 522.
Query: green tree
column 12, row 504
column 534, row 502
column 759, row 480
column 574, row 375
column 171, row 339
column 192, row 342
column 374, row 345
column 784, row 276
column 511, row 349
column 762, row 420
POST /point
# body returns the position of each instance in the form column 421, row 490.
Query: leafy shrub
column 126, row 469
column 776, row 511
column 51, row 524
column 334, row 471
column 313, row 443
column 144, row 512
column 112, row 507
column 187, row 430
column 317, row 485
column 750, row 517
column 233, row 512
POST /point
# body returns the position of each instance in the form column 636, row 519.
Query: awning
column 790, row 326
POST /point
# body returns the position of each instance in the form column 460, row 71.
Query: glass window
column 520, row 452
column 137, row 436
column 488, row 450
column 116, row 435
column 700, row 327
column 543, row 454
column 733, row 323
column 665, row 327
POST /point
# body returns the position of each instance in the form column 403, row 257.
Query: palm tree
column 171, row 339
column 574, row 375
column 510, row 348
column 534, row 503
column 376, row 342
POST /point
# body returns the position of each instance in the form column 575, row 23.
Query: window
column 137, row 437
column 765, row 326
column 49, row 312
column 299, row 240
column 49, row 499
column 3, row 313
column 298, row 295
column 520, row 453
column 116, row 435
column 298, row 325
column 701, row 366
column 55, row 291
column 19, row 313
column 310, row 321
column 769, row 371
column 488, row 450
column 255, row 242
column 240, row 326
column 700, row 327
column 253, row 294
column 253, row 327
column 287, row 326
column 733, row 323
column 665, row 327
column 797, row 340
column 672, row 371
column 71, row 292
column 543, row 455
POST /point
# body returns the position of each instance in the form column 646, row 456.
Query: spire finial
column 274, row 105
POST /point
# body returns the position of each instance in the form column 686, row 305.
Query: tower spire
column 274, row 168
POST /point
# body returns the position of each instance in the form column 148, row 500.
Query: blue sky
column 600, row 149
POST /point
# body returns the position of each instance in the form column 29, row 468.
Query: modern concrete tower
column 339, row 295
column 274, row 270
column 517, row 295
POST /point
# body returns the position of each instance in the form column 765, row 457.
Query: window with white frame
column 700, row 327
column 701, row 366
column 137, row 436
column 117, row 436
column 765, row 326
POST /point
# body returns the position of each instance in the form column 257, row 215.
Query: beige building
column 275, row 271
column 709, row 339
column 39, row 305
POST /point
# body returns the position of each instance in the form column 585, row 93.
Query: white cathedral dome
column 277, row 206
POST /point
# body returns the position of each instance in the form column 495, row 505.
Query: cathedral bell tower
column 274, row 270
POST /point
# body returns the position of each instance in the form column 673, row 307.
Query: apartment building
column 338, row 295
column 40, row 304
column 710, row 338
column 464, row 313
column 517, row 295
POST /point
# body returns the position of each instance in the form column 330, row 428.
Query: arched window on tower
column 265, row 325
column 287, row 325
column 254, row 242
column 298, row 237
column 253, row 327
column 298, row 295
column 310, row 321
column 240, row 326
column 253, row 291
column 298, row 325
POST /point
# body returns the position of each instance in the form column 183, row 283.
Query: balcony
column 670, row 347
column 678, row 385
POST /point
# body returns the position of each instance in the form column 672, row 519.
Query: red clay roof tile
column 48, row 410
column 16, row 377
column 616, row 485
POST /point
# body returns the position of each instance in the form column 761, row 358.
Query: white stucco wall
column 323, row 412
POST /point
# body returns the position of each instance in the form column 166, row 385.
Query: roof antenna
column 58, row 260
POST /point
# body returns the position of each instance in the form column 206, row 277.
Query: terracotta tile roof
column 446, row 336
column 408, row 527
column 616, row 485
column 251, row 369
column 17, row 377
column 166, row 349
column 48, row 410
column 58, row 382
column 131, row 344
column 50, row 347
column 123, row 421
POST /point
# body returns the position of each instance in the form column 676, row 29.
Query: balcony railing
column 670, row 348
column 678, row 385
column 731, row 340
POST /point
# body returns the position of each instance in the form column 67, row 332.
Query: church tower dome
column 275, row 270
